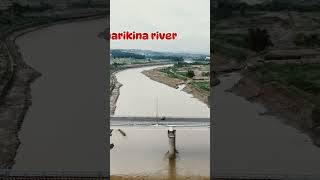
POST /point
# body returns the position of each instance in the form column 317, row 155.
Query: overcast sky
column 189, row 18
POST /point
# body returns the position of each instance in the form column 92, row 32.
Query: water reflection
column 172, row 169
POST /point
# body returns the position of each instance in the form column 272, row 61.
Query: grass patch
column 203, row 85
column 240, row 54
column 303, row 77
column 238, row 40
column 171, row 72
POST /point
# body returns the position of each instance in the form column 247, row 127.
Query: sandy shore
column 158, row 76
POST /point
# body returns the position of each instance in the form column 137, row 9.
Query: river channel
column 64, row 129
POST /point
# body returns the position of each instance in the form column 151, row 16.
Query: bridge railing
column 152, row 121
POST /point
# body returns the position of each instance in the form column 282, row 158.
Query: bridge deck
column 152, row 121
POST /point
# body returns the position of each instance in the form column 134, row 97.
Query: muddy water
column 143, row 152
column 141, row 96
column 247, row 142
column 64, row 128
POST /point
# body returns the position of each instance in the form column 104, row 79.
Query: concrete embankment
column 16, row 78
column 115, row 92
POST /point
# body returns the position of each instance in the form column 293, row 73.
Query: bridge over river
column 153, row 121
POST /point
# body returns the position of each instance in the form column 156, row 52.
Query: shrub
column 190, row 74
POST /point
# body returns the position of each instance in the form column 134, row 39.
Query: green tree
column 258, row 39
column 190, row 74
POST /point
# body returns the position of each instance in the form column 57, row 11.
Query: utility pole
column 157, row 107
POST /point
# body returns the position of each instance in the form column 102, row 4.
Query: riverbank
column 115, row 85
column 157, row 75
column 17, row 77
column 15, row 101
column 298, row 107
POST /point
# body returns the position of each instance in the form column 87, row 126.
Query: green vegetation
column 186, row 72
column 226, row 8
column 235, row 39
column 238, row 45
column 205, row 73
column 18, row 9
column 10, row 23
column 311, row 40
column 173, row 58
column 174, row 72
column 124, row 54
column 258, row 39
column 185, row 64
column 240, row 54
column 303, row 77
column 118, row 53
column 204, row 85
column 82, row 4
column 190, row 74
column 280, row 5
column 171, row 72
column 123, row 63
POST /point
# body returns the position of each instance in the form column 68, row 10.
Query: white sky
column 189, row 18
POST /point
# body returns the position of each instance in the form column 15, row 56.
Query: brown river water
column 64, row 129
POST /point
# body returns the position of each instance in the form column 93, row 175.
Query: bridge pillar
column 172, row 143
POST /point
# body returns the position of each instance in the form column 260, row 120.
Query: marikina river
column 64, row 129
